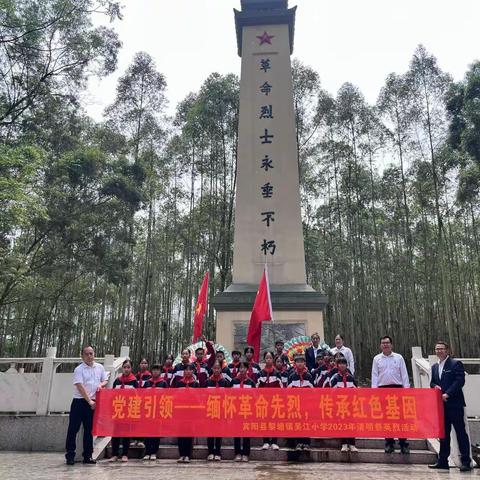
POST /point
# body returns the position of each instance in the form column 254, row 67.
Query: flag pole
column 272, row 329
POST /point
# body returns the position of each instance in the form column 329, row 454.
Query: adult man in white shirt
column 347, row 353
column 389, row 371
column 88, row 378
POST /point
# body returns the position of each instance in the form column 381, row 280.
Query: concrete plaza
column 50, row 466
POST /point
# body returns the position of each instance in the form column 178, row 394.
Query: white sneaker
column 245, row 458
column 344, row 448
column 275, row 446
column 299, row 447
column 181, row 460
column 140, row 445
column 266, row 446
column 186, row 459
column 147, row 457
column 238, row 458
column 153, row 457
column 218, row 458
column 211, row 458
column 353, row 448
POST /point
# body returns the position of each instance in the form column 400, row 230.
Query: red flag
column 262, row 312
column 200, row 309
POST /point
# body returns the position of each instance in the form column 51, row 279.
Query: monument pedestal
column 268, row 222
column 297, row 310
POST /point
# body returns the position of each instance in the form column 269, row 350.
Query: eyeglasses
column 88, row 353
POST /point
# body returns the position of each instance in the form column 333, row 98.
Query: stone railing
column 47, row 391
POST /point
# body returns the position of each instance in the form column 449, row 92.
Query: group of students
column 212, row 371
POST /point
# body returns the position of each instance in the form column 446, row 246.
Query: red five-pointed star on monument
column 265, row 38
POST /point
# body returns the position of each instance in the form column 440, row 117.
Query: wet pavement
column 50, row 466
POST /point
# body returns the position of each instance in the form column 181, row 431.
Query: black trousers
column 304, row 441
column 185, row 445
column 454, row 416
column 151, row 445
column 269, row 440
column 348, row 441
column 242, row 446
column 116, row 441
column 390, row 442
column 80, row 414
column 214, row 445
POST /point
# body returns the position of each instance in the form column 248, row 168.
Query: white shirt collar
column 442, row 362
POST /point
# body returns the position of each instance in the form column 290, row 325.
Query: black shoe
column 405, row 450
column 439, row 466
column 89, row 461
column 390, row 449
column 70, row 461
column 465, row 467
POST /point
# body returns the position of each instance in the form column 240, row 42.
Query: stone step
column 368, row 455
column 372, row 443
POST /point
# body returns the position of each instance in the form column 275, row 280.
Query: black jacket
column 452, row 381
column 310, row 358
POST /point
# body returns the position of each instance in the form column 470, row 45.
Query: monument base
column 297, row 310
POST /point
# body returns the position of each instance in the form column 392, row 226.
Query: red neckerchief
column 190, row 381
column 235, row 368
column 344, row 378
column 198, row 366
column 126, row 379
column 144, row 374
column 155, row 380
column 242, row 379
column 301, row 374
column 216, row 380
column 166, row 371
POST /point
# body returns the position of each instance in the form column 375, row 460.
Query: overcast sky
column 358, row 41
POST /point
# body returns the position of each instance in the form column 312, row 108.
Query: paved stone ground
column 50, row 466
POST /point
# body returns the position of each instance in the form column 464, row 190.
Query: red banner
column 363, row 412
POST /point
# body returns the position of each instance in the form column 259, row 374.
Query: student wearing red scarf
column 179, row 368
column 301, row 378
column 227, row 374
column 253, row 368
column 167, row 369
column 242, row 445
column 322, row 379
column 216, row 380
column 202, row 370
column 269, row 378
column 152, row 443
column 282, row 369
column 143, row 373
column 125, row 380
column 233, row 367
column 344, row 379
column 185, row 444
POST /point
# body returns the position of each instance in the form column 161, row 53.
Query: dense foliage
column 106, row 229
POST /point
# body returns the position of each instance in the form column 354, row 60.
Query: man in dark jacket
column 311, row 352
column 448, row 375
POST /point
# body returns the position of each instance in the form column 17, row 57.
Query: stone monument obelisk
column 268, row 224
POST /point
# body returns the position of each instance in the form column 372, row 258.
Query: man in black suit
column 448, row 375
column 311, row 352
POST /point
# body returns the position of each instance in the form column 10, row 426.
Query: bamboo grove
column 106, row 228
